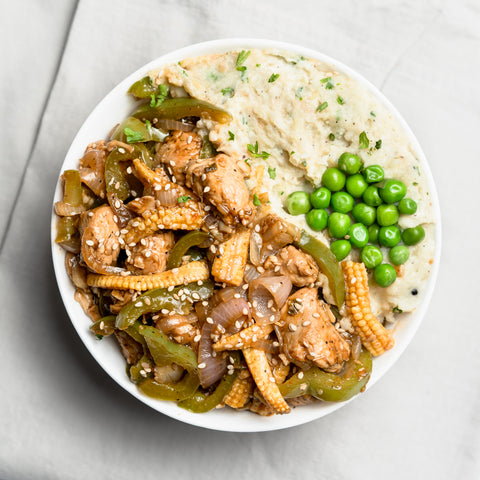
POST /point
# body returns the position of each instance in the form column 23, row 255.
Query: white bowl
column 116, row 106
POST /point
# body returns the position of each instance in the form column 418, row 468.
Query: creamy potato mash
column 303, row 114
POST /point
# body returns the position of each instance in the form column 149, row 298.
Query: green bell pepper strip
column 201, row 403
column 327, row 262
column 73, row 188
column 208, row 149
column 160, row 298
column 108, row 326
column 67, row 234
column 148, row 133
column 188, row 241
column 330, row 386
column 133, row 371
column 143, row 88
column 115, row 179
column 182, row 107
column 166, row 352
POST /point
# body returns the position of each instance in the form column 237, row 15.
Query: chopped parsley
column 378, row 144
column 213, row 76
column 184, row 198
column 331, row 137
column 99, row 337
column 397, row 310
column 256, row 201
column 227, row 92
column 328, row 82
column 253, row 149
column 292, row 153
column 322, row 107
column 258, row 65
column 156, row 99
column 340, row 100
column 304, row 163
column 298, row 93
column 273, row 77
column 363, row 140
column 247, row 161
column 415, row 183
column 325, row 80
column 281, row 193
column 272, row 173
column 231, row 136
column 149, row 126
column 372, row 114
column 133, row 136
column 242, row 56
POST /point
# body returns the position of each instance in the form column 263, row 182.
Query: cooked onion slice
column 267, row 295
column 170, row 124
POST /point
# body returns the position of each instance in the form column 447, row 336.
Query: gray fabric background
column 61, row 416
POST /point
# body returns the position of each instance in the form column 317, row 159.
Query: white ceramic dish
column 112, row 109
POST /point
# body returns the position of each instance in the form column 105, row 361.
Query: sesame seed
column 196, row 296
column 189, row 139
column 255, row 328
column 245, row 311
column 172, row 163
column 292, row 327
column 143, row 373
column 207, row 208
column 260, row 269
column 270, row 304
column 239, row 345
column 155, row 317
column 254, row 338
column 205, row 303
column 139, row 304
column 303, row 386
column 167, row 187
column 121, row 241
column 170, row 288
column 121, row 150
column 174, row 271
column 202, row 365
column 89, row 243
column 272, row 318
column 238, row 324
column 115, row 219
column 204, row 177
column 200, row 283
column 102, row 325
column 197, row 338
column 148, row 253
column 277, row 268
column 209, row 320
column 123, row 231
column 306, row 323
column 276, row 344
column 245, row 287
column 164, row 311
column 300, row 375
column 315, row 315
column 272, row 379
column 206, row 189
column 135, row 224
column 132, row 244
column 148, row 301
column 257, row 228
column 129, row 169
column 230, row 372
column 157, row 188
column 118, row 204
column 117, row 186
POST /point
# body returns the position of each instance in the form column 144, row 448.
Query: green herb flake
column 242, row 56
column 227, row 92
column 281, row 193
column 322, row 107
column 292, row 153
column 231, row 136
column 99, row 337
column 184, row 198
column 298, row 93
column 272, row 173
column 372, row 114
column 273, row 77
column 397, row 310
column 247, row 161
column 340, row 100
column 213, row 76
column 258, row 65
column 304, row 163
column 331, row 137
column 415, row 184
column 149, row 126
column 256, row 201
column 253, row 149
column 133, row 136
column 378, row 144
column 363, row 140
column 325, row 80
column 156, row 99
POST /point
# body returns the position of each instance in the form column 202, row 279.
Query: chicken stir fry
column 213, row 299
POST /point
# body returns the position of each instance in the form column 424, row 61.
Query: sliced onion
column 267, row 295
column 63, row 209
column 230, row 316
column 170, row 124
column 123, row 214
column 170, row 322
column 255, row 248
column 251, row 273
column 168, row 373
column 356, row 347
column 167, row 198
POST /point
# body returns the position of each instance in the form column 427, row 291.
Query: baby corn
column 375, row 337
column 191, row 272
column 240, row 393
column 243, row 339
column 231, row 258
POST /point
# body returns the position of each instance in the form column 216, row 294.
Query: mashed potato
column 304, row 114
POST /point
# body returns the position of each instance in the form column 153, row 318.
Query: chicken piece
column 120, row 299
column 92, row 167
column 177, row 150
column 86, row 299
column 150, row 254
column 309, row 336
column 219, row 181
column 182, row 328
column 131, row 349
column 76, row 272
column 300, row 267
column 100, row 243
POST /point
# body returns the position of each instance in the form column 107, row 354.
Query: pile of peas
column 375, row 205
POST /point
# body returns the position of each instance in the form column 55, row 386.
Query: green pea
column 393, row 191
column 340, row 248
column 358, row 234
column 407, row 206
column 317, row 219
column 363, row 213
column 349, row 163
column 333, row 179
column 384, row 274
column 387, row 215
column 298, row 203
column 371, row 256
column 412, row 236
column 320, row 198
column 338, row 224
column 373, row 231
column 374, row 174
column 372, row 197
column 389, row 236
column 399, row 255
column 356, row 185
column 342, row 202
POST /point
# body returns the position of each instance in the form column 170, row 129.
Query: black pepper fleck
column 414, row 291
